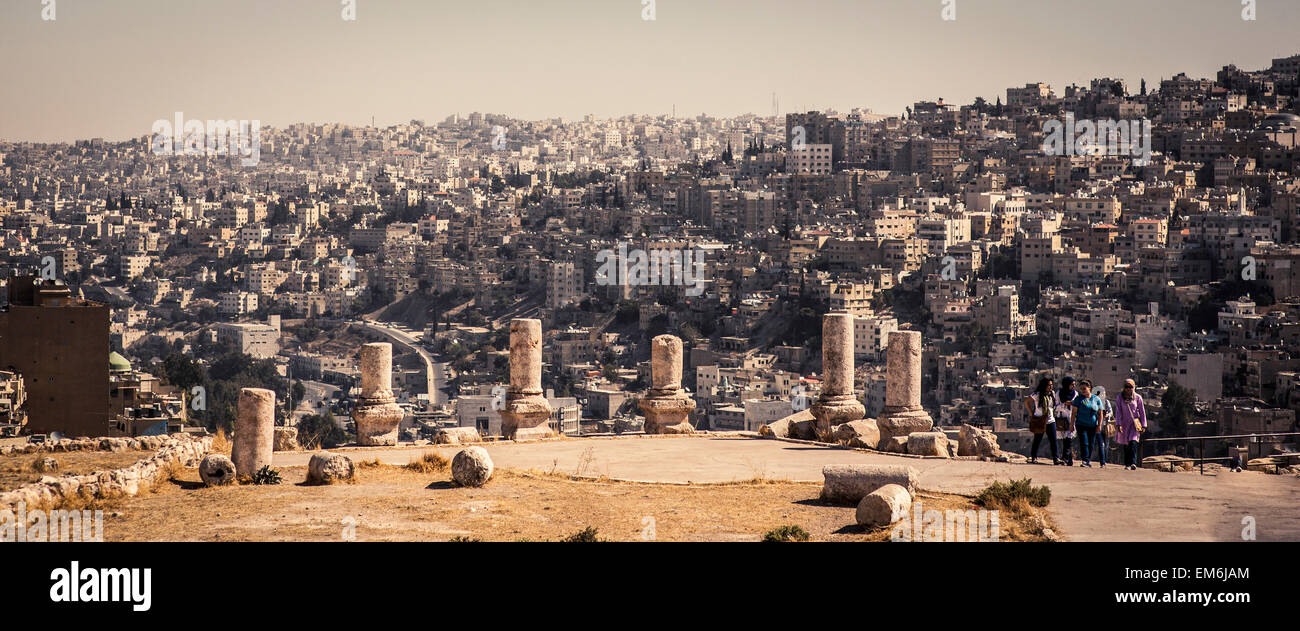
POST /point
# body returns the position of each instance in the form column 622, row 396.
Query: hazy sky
column 109, row 68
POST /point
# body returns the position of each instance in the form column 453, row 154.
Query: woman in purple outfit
column 1130, row 421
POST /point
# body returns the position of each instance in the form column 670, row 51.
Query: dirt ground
column 16, row 471
column 392, row 503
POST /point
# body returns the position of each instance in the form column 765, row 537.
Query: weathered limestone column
column 903, row 413
column 837, row 403
column 667, row 408
column 377, row 414
column 527, row 413
column 254, row 431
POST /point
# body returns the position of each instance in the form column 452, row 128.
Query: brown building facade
column 60, row 345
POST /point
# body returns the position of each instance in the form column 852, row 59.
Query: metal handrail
column 1201, row 440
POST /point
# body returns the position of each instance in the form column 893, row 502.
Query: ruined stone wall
column 52, row 491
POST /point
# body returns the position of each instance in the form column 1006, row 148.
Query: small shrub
column 430, row 462
column 587, row 535
column 1014, row 495
column 266, row 475
column 464, row 539
column 786, row 534
column 369, row 464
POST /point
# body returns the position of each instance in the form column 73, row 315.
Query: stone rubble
column 49, row 492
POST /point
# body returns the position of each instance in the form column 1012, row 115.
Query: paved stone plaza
column 1089, row 504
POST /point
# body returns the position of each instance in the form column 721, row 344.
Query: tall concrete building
column 563, row 284
column 60, row 346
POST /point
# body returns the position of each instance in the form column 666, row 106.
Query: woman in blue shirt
column 1085, row 416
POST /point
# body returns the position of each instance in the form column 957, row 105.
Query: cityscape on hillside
column 667, row 326
column 949, row 219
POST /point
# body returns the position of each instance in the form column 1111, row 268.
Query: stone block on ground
column 863, row 434
column 849, row 483
column 894, row 444
column 1163, row 462
column 776, row 429
column 1262, row 465
column 457, row 436
column 884, row 506
column 928, row 444
column 803, row 426
column 328, row 468
column 471, row 467
column 286, row 439
column 903, row 425
column 973, row 441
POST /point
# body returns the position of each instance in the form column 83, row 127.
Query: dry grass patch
column 221, row 443
column 405, row 503
column 429, row 462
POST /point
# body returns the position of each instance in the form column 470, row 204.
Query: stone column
column 254, row 431
column 527, row 413
column 377, row 415
column 667, row 407
column 377, row 370
column 903, row 413
column 837, row 403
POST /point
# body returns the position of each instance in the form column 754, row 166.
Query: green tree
column 316, row 430
column 1177, row 406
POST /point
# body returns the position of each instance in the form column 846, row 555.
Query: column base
column 526, row 418
column 377, row 424
column 668, row 415
column 903, row 423
column 836, row 410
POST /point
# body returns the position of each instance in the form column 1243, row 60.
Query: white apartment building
column 815, row 159
column 871, row 336
column 238, row 303
column 133, row 266
column 230, row 217
column 563, row 284
column 258, row 340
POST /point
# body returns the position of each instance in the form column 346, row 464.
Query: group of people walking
column 1078, row 409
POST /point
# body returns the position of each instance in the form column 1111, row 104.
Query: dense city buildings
column 1158, row 243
